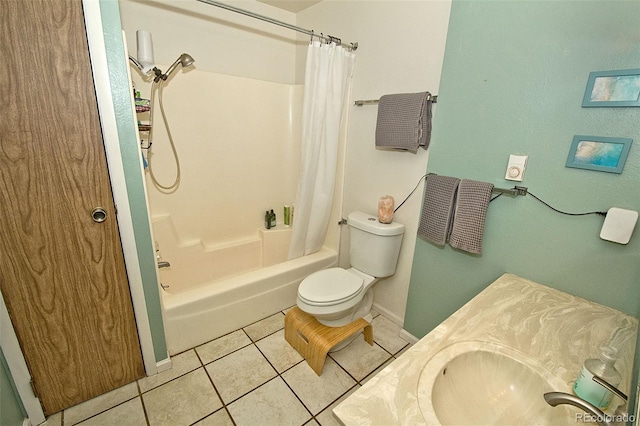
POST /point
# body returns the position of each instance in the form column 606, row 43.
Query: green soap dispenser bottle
column 604, row 368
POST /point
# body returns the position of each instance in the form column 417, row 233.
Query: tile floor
column 249, row 377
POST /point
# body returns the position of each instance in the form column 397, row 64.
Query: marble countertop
column 556, row 329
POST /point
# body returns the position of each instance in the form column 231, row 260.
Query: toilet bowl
column 337, row 296
column 333, row 295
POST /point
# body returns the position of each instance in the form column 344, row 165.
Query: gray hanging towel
column 437, row 208
column 404, row 121
column 472, row 202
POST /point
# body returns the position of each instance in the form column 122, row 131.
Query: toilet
column 337, row 296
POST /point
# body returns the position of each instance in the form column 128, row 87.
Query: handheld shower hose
column 172, row 187
column 185, row 60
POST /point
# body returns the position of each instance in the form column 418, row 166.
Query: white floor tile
column 99, row 404
column 326, row 417
column 222, row 346
column 129, row 413
column 271, row 404
column 241, row 366
column 240, row 372
column 54, row 420
column 180, row 364
column 182, row 401
column 219, row 418
column 317, row 392
column 279, row 353
column 360, row 358
column 376, row 371
column 386, row 334
column 265, row 327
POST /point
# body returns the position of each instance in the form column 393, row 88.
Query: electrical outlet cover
column 618, row 225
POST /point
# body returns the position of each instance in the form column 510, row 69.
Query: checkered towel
column 472, row 202
column 404, row 121
column 437, row 208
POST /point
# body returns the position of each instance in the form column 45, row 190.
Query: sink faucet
column 163, row 264
column 557, row 398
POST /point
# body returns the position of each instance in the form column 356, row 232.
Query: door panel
column 62, row 274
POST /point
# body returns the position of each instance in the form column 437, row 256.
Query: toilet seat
column 330, row 287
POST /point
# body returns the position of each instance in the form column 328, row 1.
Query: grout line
column 144, row 407
column 297, row 397
column 224, row 405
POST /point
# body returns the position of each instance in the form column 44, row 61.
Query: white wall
column 238, row 154
column 233, row 115
column 219, row 40
column 401, row 49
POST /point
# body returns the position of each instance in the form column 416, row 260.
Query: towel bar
column 508, row 191
column 515, row 191
column 433, row 98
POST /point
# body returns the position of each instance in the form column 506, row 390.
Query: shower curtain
column 327, row 81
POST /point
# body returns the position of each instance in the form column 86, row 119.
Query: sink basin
column 482, row 383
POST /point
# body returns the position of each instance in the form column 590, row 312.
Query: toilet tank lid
column 370, row 223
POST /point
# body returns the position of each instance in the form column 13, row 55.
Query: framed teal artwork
column 599, row 153
column 613, row 89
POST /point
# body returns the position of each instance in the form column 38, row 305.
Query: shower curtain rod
column 352, row 46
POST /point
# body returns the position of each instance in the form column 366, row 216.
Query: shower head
column 185, row 60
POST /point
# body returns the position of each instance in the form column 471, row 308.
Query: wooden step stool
column 313, row 340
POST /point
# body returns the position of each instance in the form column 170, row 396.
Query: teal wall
column 11, row 411
column 121, row 93
column 513, row 80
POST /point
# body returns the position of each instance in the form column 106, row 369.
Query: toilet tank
column 373, row 246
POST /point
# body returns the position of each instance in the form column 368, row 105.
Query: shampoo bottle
column 267, row 220
column 591, row 391
column 273, row 219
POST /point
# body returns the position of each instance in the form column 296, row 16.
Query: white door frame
column 97, row 50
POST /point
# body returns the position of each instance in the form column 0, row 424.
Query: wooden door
column 62, row 274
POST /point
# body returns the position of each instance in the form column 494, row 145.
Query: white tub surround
column 194, row 317
column 213, row 289
column 556, row 330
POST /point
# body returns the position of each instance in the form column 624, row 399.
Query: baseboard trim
column 389, row 315
column 164, row 364
column 403, row 334
column 408, row 336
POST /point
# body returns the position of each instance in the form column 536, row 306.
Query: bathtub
column 208, row 292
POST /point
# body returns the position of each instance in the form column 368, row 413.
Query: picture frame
column 613, row 89
column 599, row 153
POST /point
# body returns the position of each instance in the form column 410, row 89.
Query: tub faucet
column 163, row 264
column 557, row 398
